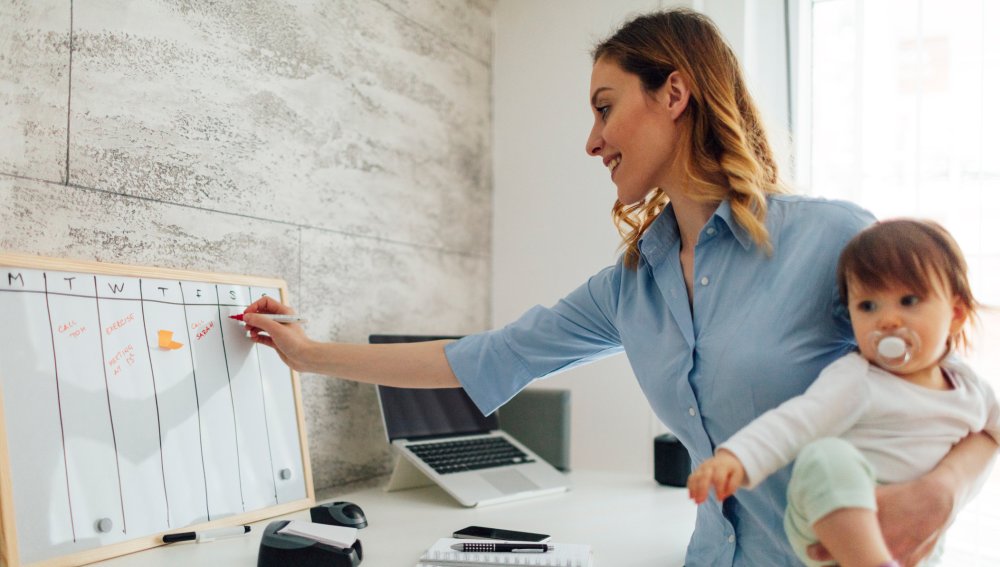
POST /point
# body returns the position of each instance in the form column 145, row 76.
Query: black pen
column 503, row 547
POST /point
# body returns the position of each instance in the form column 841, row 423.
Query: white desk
column 628, row 519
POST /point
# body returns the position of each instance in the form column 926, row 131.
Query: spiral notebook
column 564, row 555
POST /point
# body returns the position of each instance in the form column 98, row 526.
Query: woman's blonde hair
column 725, row 133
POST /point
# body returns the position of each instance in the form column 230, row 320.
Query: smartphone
column 479, row 532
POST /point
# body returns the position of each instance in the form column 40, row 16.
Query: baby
column 885, row 414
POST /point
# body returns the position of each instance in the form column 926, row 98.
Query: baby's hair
column 918, row 254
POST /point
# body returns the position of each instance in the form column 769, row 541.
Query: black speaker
column 671, row 462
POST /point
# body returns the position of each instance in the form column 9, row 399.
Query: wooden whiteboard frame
column 9, row 555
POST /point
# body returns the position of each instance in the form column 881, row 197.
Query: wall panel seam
column 69, row 89
column 437, row 35
column 299, row 226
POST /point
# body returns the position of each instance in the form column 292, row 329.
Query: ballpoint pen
column 503, row 547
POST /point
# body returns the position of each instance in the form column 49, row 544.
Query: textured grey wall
column 344, row 146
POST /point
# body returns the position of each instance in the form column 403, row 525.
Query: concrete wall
column 343, row 146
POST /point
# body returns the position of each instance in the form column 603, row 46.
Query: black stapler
column 282, row 550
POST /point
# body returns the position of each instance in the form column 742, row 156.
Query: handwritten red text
column 126, row 356
column 72, row 328
column 205, row 330
column 119, row 323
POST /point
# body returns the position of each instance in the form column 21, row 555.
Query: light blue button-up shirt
column 758, row 331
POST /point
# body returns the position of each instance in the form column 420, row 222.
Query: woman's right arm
column 404, row 365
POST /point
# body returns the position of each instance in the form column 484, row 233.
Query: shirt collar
column 725, row 214
column 663, row 233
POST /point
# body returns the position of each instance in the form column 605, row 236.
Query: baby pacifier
column 893, row 349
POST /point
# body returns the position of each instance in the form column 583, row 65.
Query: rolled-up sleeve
column 493, row 366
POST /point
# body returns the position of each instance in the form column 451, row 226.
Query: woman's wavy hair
column 724, row 132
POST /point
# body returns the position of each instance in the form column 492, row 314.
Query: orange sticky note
column 167, row 340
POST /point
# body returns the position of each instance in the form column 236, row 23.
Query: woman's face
column 634, row 132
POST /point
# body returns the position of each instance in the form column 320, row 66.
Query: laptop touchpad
column 509, row 482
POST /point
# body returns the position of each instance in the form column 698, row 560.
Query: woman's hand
column 723, row 472
column 288, row 339
column 913, row 515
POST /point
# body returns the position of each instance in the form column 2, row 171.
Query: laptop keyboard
column 471, row 454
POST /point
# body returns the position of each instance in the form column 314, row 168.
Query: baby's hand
column 723, row 472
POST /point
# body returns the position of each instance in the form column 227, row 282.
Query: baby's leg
column 831, row 498
column 853, row 536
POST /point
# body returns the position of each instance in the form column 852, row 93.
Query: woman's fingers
column 268, row 304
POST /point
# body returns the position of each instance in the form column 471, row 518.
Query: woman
column 724, row 298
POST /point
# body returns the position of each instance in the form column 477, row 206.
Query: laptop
column 440, row 434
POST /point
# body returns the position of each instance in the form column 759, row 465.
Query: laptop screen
column 415, row 413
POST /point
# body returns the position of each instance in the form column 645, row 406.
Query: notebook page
column 564, row 555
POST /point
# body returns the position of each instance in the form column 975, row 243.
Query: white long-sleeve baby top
column 903, row 429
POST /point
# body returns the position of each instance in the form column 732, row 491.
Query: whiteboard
column 133, row 406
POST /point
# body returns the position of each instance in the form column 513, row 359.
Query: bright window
column 899, row 111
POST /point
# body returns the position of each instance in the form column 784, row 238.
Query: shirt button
column 704, row 280
column 710, row 231
column 691, row 411
column 732, row 538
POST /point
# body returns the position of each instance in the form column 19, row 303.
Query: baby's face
column 933, row 317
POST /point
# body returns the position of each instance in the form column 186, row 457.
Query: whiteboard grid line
column 267, row 426
column 161, row 301
column 62, row 426
column 111, row 414
column 197, row 400
column 232, row 402
column 156, row 402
